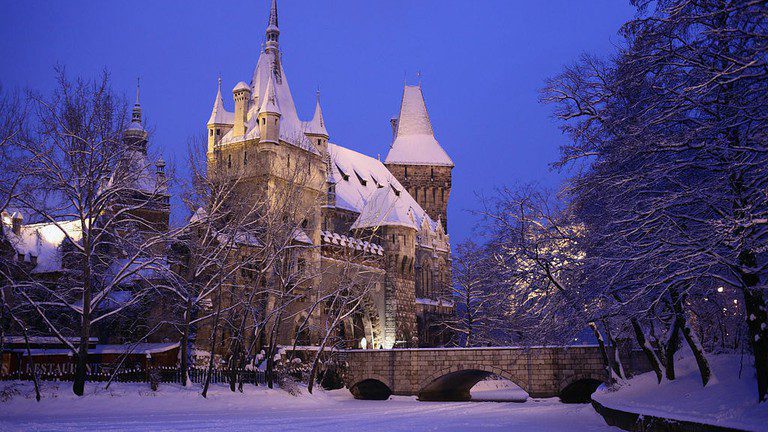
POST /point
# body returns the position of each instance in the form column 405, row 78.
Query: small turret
column 269, row 115
column 315, row 129
column 220, row 122
column 242, row 96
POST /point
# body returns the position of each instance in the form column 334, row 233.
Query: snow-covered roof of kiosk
column 415, row 142
column 364, row 185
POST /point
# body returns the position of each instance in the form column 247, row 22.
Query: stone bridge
column 571, row 373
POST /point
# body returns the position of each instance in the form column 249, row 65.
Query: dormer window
column 361, row 179
column 397, row 192
column 344, row 175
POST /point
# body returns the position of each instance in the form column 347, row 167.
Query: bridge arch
column 371, row 387
column 454, row 383
column 578, row 388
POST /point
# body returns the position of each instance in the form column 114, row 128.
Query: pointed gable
column 415, row 142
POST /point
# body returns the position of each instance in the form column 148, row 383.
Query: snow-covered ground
column 726, row 401
column 498, row 390
column 133, row 407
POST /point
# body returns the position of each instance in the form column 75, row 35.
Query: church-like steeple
column 136, row 115
column 135, row 136
column 273, row 30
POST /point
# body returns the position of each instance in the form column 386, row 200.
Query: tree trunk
column 757, row 323
column 603, row 352
column 673, row 342
column 690, row 337
column 184, row 366
column 78, row 384
column 618, row 366
column 214, row 338
column 646, row 347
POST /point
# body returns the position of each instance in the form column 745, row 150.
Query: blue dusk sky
column 482, row 65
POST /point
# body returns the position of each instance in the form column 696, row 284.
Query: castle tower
column 417, row 160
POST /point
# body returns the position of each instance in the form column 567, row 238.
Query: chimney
column 16, row 221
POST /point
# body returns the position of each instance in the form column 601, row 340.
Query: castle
column 381, row 224
column 394, row 212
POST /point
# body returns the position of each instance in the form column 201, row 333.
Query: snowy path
column 332, row 411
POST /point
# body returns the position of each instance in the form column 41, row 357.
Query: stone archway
column 455, row 383
column 579, row 388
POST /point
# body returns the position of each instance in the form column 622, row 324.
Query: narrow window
column 406, row 172
column 442, row 195
column 434, row 195
column 245, row 158
column 218, row 131
column 211, row 132
column 431, row 173
column 229, row 161
column 331, row 194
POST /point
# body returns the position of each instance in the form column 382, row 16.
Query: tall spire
column 136, row 117
column 273, row 30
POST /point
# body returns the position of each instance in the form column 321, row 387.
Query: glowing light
column 720, row 289
column 363, row 343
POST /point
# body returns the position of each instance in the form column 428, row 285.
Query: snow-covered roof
column 269, row 103
column 316, row 126
column 145, row 173
column 241, row 86
column 219, row 115
column 364, row 185
column 44, row 240
column 415, row 142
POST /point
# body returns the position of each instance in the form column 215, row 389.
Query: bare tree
column 91, row 188
column 671, row 133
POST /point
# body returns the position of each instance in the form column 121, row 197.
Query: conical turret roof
column 415, row 142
